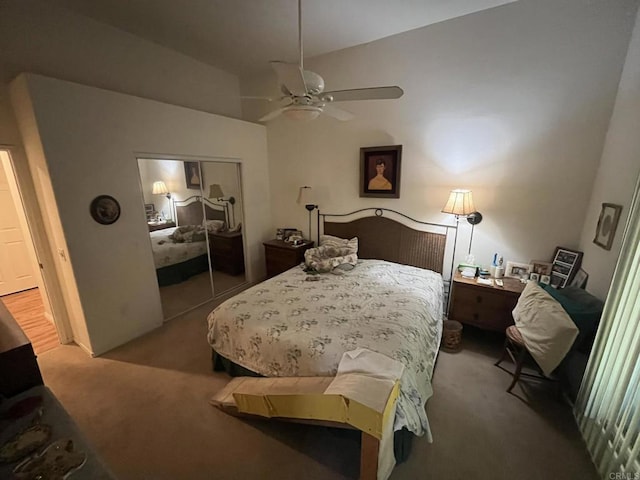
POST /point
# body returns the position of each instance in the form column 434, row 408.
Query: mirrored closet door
column 194, row 217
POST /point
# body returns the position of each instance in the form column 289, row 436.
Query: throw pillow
column 546, row 328
column 331, row 241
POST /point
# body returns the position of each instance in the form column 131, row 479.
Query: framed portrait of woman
column 192, row 175
column 380, row 171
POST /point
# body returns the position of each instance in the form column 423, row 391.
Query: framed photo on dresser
column 565, row 264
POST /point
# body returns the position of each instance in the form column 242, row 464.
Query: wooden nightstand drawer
column 484, row 306
column 281, row 256
column 227, row 252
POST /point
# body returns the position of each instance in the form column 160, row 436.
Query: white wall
column 511, row 102
column 40, row 37
column 618, row 172
column 113, row 265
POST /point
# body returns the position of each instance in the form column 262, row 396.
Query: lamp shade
column 215, row 191
column 159, row 188
column 305, row 196
column 460, row 203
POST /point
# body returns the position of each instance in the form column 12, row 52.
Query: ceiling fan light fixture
column 302, row 113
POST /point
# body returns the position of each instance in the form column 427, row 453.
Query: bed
column 175, row 262
column 296, row 324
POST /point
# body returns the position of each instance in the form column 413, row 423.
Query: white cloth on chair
column 546, row 328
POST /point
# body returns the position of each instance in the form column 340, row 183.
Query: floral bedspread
column 167, row 252
column 297, row 324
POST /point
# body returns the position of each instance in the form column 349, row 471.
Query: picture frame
column 565, row 264
column 380, row 171
column 518, row 270
column 104, row 209
column 287, row 232
column 580, row 279
column 192, row 175
column 535, row 277
column 149, row 210
column 607, row 224
column 546, row 279
column 541, row 267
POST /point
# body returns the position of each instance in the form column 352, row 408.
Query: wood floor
column 28, row 310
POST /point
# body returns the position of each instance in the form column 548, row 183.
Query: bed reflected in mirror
column 196, row 240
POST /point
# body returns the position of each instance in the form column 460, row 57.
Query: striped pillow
column 331, row 241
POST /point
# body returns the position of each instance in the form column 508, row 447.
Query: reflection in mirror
column 189, row 231
column 221, row 182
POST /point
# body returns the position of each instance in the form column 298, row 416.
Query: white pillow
column 214, row 226
column 546, row 328
column 331, row 241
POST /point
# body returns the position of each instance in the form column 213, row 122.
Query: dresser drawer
column 223, row 245
column 487, row 308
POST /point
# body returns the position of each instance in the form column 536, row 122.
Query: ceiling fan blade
column 337, row 113
column 290, row 75
column 374, row 93
column 250, row 97
column 271, row 115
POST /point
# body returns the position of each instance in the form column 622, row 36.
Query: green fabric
column 583, row 308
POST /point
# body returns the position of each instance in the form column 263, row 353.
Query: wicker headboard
column 386, row 239
column 190, row 213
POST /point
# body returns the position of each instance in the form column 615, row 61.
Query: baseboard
column 49, row 317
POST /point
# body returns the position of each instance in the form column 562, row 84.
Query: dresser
column 484, row 306
column 227, row 252
column 281, row 256
column 19, row 369
column 153, row 226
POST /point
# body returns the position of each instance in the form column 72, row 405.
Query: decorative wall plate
column 22, row 444
column 105, row 209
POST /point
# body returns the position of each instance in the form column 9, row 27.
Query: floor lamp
column 305, row 197
column 160, row 188
column 215, row 191
column 460, row 203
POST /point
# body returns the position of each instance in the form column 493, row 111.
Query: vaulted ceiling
column 242, row 36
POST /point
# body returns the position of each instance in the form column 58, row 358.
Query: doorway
column 22, row 288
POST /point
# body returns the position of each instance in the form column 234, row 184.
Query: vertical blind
column 608, row 405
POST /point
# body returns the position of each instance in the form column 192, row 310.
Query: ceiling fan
column 304, row 97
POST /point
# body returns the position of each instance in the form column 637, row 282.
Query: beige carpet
column 145, row 408
column 180, row 297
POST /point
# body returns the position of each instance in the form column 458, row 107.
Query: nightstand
column 153, row 226
column 485, row 306
column 227, row 252
column 281, row 256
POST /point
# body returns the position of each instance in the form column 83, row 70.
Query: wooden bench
column 303, row 400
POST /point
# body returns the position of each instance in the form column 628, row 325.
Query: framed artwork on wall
column 105, row 209
column 607, row 224
column 380, row 171
column 192, row 175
